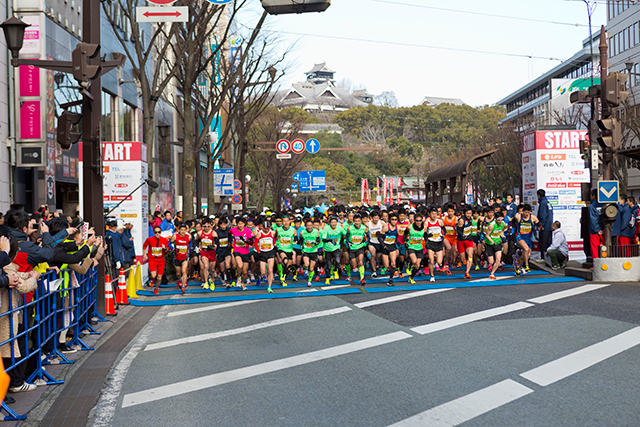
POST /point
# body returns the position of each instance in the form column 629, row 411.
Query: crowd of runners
column 389, row 242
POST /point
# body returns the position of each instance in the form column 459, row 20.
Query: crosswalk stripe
column 583, row 359
column 564, row 294
column 468, row 407
column 255, row 327
column 209, row 381
column 208, row 308
column 399, row 297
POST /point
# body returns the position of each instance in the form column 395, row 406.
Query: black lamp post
column 14, row 35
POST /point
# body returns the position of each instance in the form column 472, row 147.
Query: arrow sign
column 312, row 146
column 608, row 191
column 296, row 176
column 162, row 14
column 283, row 146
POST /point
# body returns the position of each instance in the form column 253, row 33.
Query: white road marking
column 487, row 279
column 328, row 288
column 211, row 307
column 564, row 294
column 468, row 407
column 468, row 318
column 255, row 327
column 583, row 359
column 399, row 297
column 105, row 408
column 209, row 381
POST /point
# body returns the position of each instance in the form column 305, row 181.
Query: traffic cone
column 139, row 285
column 131, row 284
column 121, row 293
column 110, row 308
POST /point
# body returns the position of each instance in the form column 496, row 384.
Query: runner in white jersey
column 375, row 245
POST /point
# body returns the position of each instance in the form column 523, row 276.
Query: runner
column 309, row 240
column 182, row 242
column 493, row 242
column 286, row 255
column 297, row 249
column 435, row 238
column 414, row 237
column 154, row 249
column 390, row 246
column 403, row 224
column 356, row 238
column 524, row 232
column 375, row 227
column 207, row 254
column 465, row 240
column 223, row 251
column 242, row 239
column 450, row 241
column 265, row 248
column 333, row 236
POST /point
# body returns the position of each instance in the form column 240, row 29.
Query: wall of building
column 5, row 165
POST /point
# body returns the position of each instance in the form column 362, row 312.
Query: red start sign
column 162, row 2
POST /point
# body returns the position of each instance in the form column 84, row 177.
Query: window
column 128, row 122
column 108, row 119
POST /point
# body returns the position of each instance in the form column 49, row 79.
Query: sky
column 410, row 50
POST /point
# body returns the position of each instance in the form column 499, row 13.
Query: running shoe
column 305, row 275
column 425, row 270
column 253, row 278
column 336, row 275
column 205, row 285
column 179, row 284
column 362, row 282
column 321, row 271
column 408, row 270
column 527, row 269
column 374, row 274
column 212, row 286
column 477, row 267
column 492, row 277
column 446, row 270
column 183, row 290
column 244, row 288
column 517, row 272
column 155, row 291
column 437, row 268
column 295, row 277
column 269, row 290
column 523, row 271
column 284, row 284
column 467, row 276
column 433, row 279
column 390, row 282
column 327, row 281
column 317, row 279
column 309, row 283
column 411, row 281
column 227, row 286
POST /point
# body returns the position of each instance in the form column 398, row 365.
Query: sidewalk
column 69, row 404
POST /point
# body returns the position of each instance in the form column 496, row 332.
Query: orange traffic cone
column 121, row 293
column 110, row 308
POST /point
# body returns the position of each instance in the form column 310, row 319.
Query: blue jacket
column 127, row 245
column 545, row 213
column 35, row 254
column 117, row 253
column 167, row 225
column 595, row 217
column 512, row 209
column 621, row 225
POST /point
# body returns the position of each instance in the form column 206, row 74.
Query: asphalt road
column 553, row 354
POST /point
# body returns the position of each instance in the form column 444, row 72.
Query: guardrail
column 61, row 302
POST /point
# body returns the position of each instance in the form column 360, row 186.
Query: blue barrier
column 59, row 302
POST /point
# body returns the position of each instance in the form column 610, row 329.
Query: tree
column 386, row 99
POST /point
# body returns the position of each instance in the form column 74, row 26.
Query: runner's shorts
column 463, row 245
column 419, row 254
column 525, row 238
column 244, row 257
column 178, row 262
column 387, row 249
column 492, row 249
column 376, row 246
column 287, row 255
column 157, row 265
column 223, row 253
column 210, row 255
column 313, row 256
column 435, row 246
column 355, row 253
column 265, row 256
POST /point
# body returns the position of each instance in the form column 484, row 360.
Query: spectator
column 157, row 220
column 595, row 224
column 621, row 231
column 545, row 218
column 633, row 223
column 127, row 244
column 167, row 226
column 29, row 254
column 178, row 220
column 22, row 283
column 512, row 208
column 558, row 252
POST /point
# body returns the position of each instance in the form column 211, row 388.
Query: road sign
column 312, row 181
column 283, row 156
column 236, row 199
column 237, row 185
column 297, row 146
column 294, row 186
column 223, row 182
column 162, row 14
column 608, row 191
column 296, row 176
column 283, row 146
column 312, row 145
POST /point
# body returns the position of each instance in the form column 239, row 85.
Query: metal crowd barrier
column 60, row 302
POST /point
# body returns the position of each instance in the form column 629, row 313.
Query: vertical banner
column 384, row 190
column 551, row 161
column 398, row 190
column 378, row 191
column 50, row 148
column 362, row 190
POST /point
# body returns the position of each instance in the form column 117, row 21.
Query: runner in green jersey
column 309, row 239
column 357, row 239
column 332, row 236
column 493, row 242
column 344, row 258
column 286, row 256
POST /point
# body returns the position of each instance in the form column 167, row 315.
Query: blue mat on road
column 303, row 284
column 520, row 281
column 244, row 297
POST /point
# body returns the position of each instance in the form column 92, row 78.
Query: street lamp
column 14, row 35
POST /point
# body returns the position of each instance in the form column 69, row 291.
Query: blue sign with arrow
column 608, row 191
column 312, row 146
column 311, row 181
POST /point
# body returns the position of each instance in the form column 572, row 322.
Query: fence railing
column 620, row 251
column 61, row 302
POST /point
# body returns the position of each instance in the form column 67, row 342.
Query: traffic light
column 610, row 133
column 66, row 136
column 278, row 7
column 585, row 151
column 82, row 71
column 614, row 89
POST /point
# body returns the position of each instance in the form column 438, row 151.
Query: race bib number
column 525, row 228
column 206, row 243
column 389, row 240
column 265, row 245
column 224, row 242
column 182, row 249
column 374, row 234
column 450, row 230
column 308, row 244
column 417, row 240
column 156, row 251
column 240, row 243
column 356, row 239
column 285, row 240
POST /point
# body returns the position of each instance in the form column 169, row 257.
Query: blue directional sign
column 294, row 186
column 223, row 182
column 608, row 191
column 296, row 176
column 312, row 181
column 312, row 146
